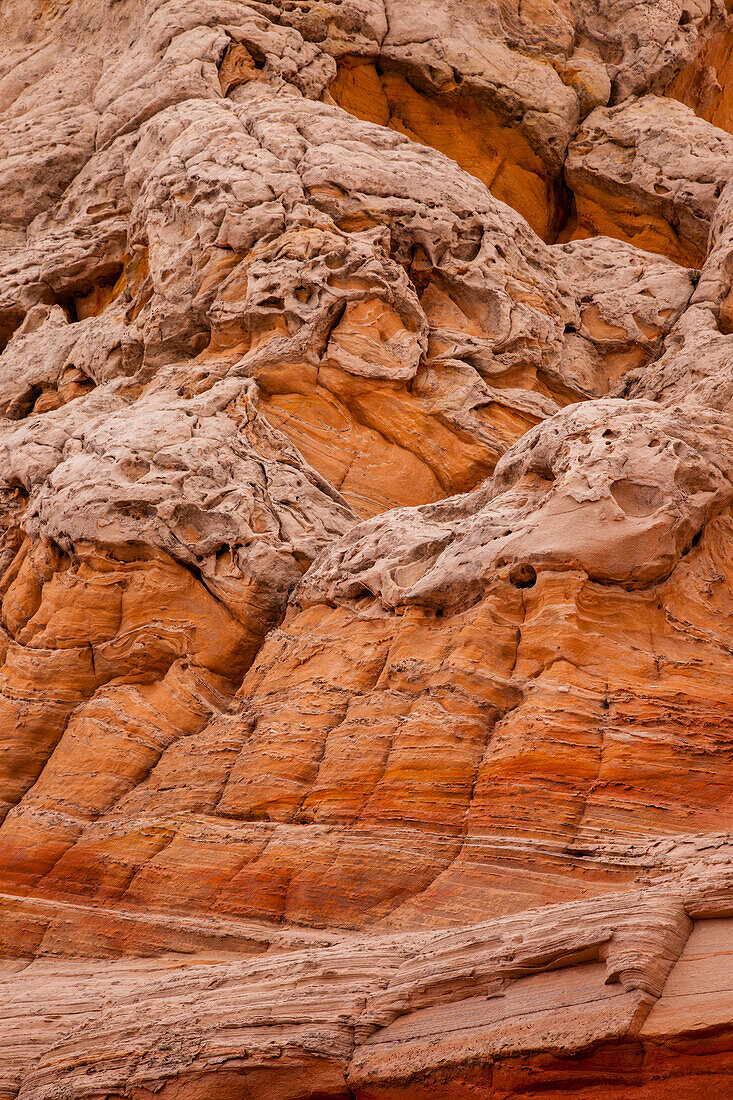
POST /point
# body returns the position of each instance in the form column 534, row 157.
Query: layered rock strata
column 366, row 500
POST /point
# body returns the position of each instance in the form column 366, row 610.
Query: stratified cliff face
column 366, row 550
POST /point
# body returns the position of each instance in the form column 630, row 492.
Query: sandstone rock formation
column 366, row 513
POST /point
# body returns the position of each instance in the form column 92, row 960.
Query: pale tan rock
column 47, row 135
column 212, row 489
column 359, row 1011
column 705, row 83
column 297, row 806
column 650, row 172
column 610, row 488
column 446, row 365
column 696, row 367
column 501, row 87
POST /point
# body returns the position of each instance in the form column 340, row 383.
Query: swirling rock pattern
column 366, row 513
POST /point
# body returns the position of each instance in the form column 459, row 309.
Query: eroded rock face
column 501, row 88
column 650, row 172
column 366, row 504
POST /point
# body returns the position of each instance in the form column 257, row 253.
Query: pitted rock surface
column 366, row 513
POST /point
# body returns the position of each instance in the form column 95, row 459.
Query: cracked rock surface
column 366, row 513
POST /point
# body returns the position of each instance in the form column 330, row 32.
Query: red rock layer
column 366, row 488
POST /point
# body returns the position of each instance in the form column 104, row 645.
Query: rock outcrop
column 649, row 172
column 366, row 512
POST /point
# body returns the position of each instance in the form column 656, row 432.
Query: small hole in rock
column 9, row 322
column 68, row 304
column 523, row 576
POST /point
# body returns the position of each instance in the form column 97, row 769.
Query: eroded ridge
column 366, row 476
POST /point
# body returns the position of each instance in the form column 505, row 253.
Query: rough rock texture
column 366, row 513
column 650, row 172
